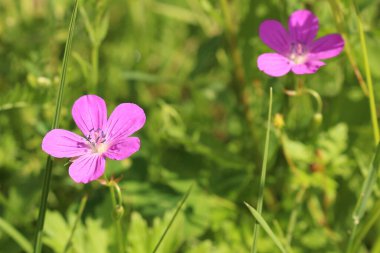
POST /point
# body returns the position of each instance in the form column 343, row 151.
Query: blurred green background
column 192, row 66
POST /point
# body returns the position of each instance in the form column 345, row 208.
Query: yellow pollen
column 100, row 148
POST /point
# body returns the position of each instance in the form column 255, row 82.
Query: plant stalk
column 49, row 162
column 263, row 174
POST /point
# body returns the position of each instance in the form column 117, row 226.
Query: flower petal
column 274, row 35
column 89, row 113
column 273, row 64
column 303, row 27
column 309, row 67
column 327, row 47
column 123, row 148
column 62, row 143
column 126, row 119
column 87, row 168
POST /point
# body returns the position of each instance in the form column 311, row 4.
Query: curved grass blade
column 263, row 174
column 266, row 227
column 172, row 219
column 365, row 193
column 16, row 236
column 49, row 163
column 371, row 220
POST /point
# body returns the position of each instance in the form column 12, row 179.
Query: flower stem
column 118, row 212
column 317, row 98
column 49, row 162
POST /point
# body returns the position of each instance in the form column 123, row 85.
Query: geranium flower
column 101, row 137
column 296, row 50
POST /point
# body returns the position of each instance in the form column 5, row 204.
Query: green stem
column 294, row 215
column 95, row 68
column 118, row 214
column 82, row 205
column 363, row 231
column 317, row 98
column 339, row 21
column 301, row 90
column 49, row 163
column 372, row 103
column 187, row 194
column 263, row 174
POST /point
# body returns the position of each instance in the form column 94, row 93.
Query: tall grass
column 49, row 163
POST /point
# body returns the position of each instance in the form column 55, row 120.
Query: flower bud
column 317, row 119
column 118, row 212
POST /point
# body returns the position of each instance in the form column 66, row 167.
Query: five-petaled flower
column 102, row 138
column 296, row 50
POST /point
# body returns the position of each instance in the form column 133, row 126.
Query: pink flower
column 296, row 50
column 102, row 138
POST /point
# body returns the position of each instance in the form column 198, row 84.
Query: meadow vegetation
column 192, row 66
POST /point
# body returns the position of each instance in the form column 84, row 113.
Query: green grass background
column 192, row 67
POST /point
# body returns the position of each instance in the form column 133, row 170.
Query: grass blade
column 263, row 173
column 373, row 217
column 82, row 205
column 365, row 193
column 173, row 218
column 16, row 236
column 371, row 94
column 266, row 227
column 49, row 163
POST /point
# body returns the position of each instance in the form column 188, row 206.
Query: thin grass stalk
column 263, row 174
column 372, row 103
column 49, row 163
column 82, row 205
column 339, row 21
column 239, row 73
column 185, row 197
column 294, row 215
column 364, row 196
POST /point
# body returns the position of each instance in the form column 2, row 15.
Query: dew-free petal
column 89, row 113
column 61, row 143
column 124, row 148
column 274, row 35
column 303, row 27
column 87, row 168
column 309, row 67
column 327, row 47
column 273, row 64
column 126, row 119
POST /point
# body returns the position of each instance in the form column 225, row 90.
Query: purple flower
column 296, row 50
column 102, row 138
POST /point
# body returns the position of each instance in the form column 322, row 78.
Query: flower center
column 298, row 53
column 97, row 141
